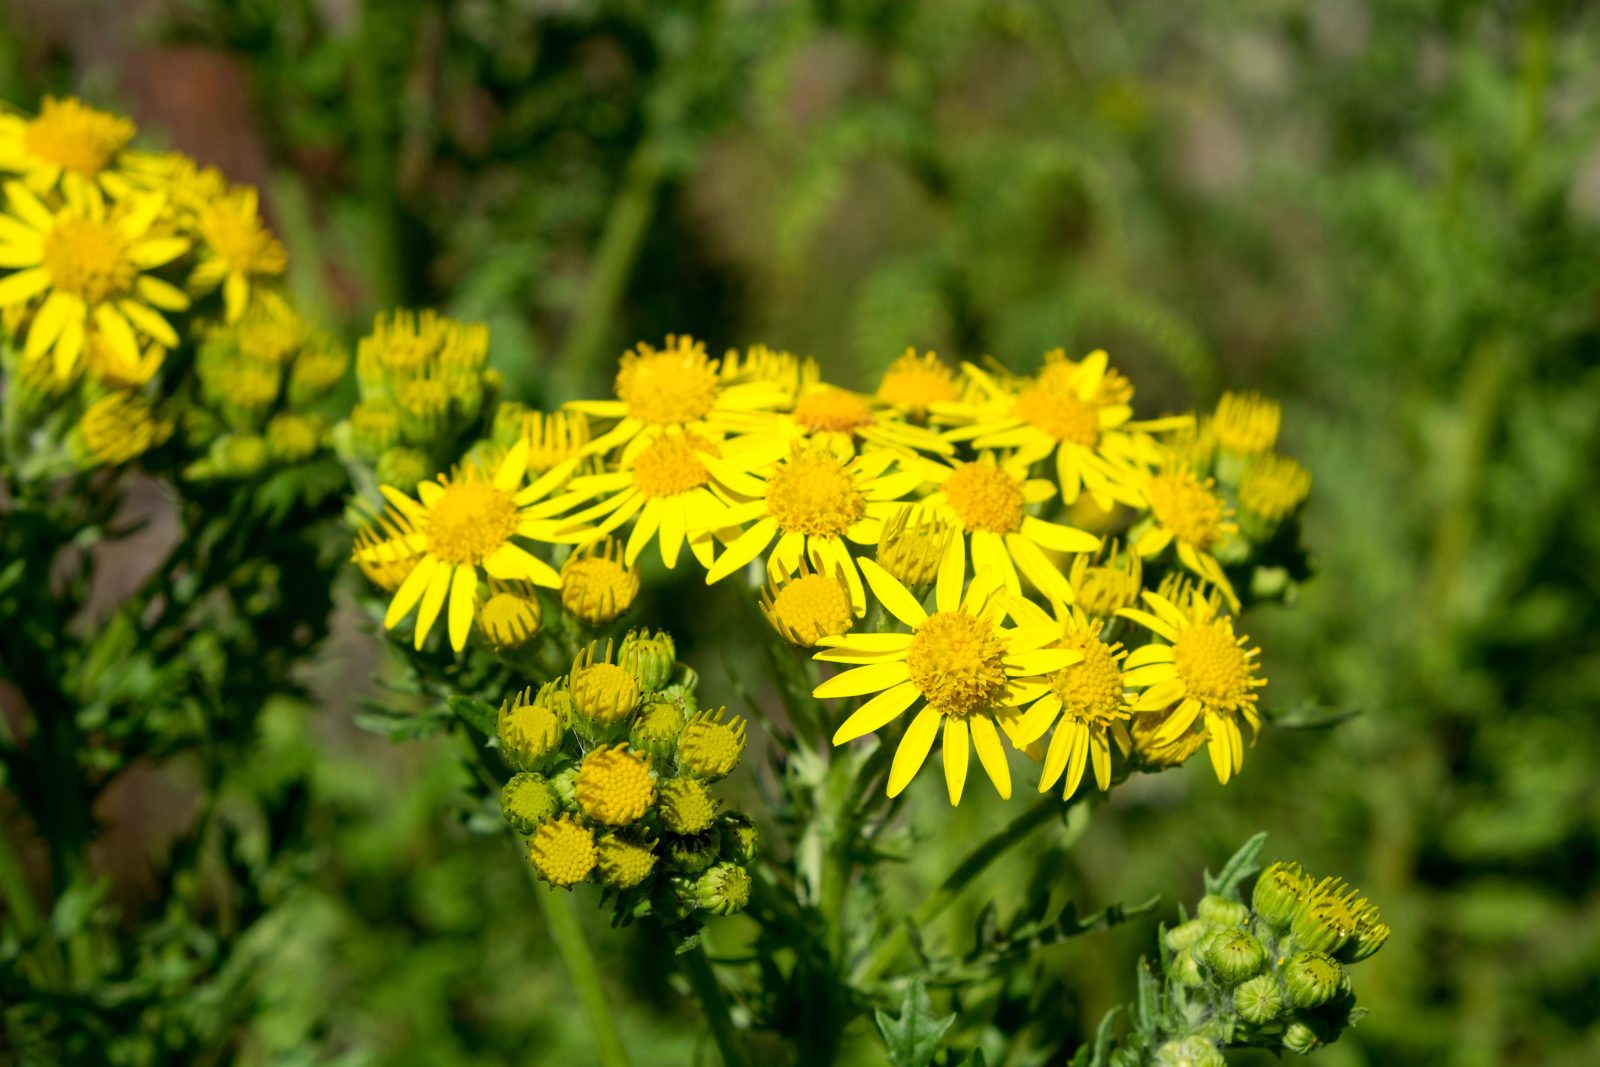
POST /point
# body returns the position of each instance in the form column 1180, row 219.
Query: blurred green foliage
column 1385, row 214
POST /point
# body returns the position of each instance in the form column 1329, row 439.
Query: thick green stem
column 703, row 980
column 568, row 936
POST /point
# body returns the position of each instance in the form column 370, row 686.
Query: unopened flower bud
column 724, row 889
column 530, row 727
column 651, row 655
column 1301, row 1039
column 692, row 853
column 1279, row 892
column 1312, row 979
column 739, row 838
column 624, row 860
column 686, row 805
column 1326, row 920
column 1222, row 911
column 1189, row 1052
column 1259, row 1000
column 656, row 729
column 710, row 746
column 1186, row 934
column 528, row 800
column 1235, row 956
column 401, row 467
column 1370, row 935
column 562, row 851
column 604, row 691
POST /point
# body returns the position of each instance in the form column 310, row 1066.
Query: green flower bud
column 1187, row 970
column 624, row 860
column 238, row 455
column 1370, row 935
column 1312, row 979
column 1189, row 1052
column 509, row 418
column 565, row 783
column 651, row 655
column 686, row 805
column 402, row 467
column 1301, row 1039
column 692, row 853
column 1235, row 956
column 656, row 729
column 739, row 838
column 1279, row 892
column 374, row 427
column 723, row 889
column 528, row 800
column 1325, row 921
column 293, row 438
column 1185, row 935
column 1259, row 1000
column 1222, row 911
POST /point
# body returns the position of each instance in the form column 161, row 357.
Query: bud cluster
column 1269, row 974
column 615, row 763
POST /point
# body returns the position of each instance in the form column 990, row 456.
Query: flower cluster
column 112, row 261
column 615, row 763
column 1000, row 561
column 1269, row 974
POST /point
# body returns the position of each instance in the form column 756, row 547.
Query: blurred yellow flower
column 68, row 143
column 236, row 249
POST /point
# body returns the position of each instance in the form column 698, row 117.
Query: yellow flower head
column 1247, row 423
column 917, row 384
column 597, row 587
column 562, row 851
column 511, row 616
column 110, row 366
column 293, row 437
column 1107, row 581
column 1085, row 703
column 687, row 806
column 1186, row 510
column 405, row 345
column 603, row 690
column 90, row 264
column 530, row 725
column 238, row 249
column 913, row 544
column 615, row 787
column 1273, row 487
column 553, row 438
column 1205, row 672
column 458, row 526
column 784, row 371
column 968, row 672
column 67, row 140
column 625, row 861
column 986, row 502
column 710, row 745
column 388, row 567
column 806, row 607
column 120, row 426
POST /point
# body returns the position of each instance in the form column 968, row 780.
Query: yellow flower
column 562, row 851
column 1076, row 410
column 677, row 386
column 110, row 366
column 807, row 607
column 553, row 438
column 913, row 545
column 1247, row 423
column 710, row 745
column 237, row 249
column 407, row 345
column 596, row 585
column 687, row 806
column 602, row 689
column 986, row 501
column 531, row 725
column 785, row 371
column 120, row 426
column 1206, row 674
column 1107, row 581
column 625, row 861
column 457, row 527
column 68, row 142
column 382, row 553
column 1186, row 510
column 1086, row 704
column 918, row 385
column 90, row 264
column 1273, row 487
column 615, row 786
column 511, row 616
column 963, row 667
column 811, row 504
column 844, row 422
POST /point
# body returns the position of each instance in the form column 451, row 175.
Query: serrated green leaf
column 913, row 1038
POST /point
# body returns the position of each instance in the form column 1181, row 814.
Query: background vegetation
column 1385, row 214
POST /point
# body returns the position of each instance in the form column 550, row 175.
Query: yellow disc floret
column 832, row 410
column 914, row 383
column 625, row 861
column 955, row 661
column 1187, row 506
column 670, row 465
column 562, row 851
column 812, row 493
column 807, row 608
column 985, row 497
column 615, row 786
column 597, row 586
column 1215, row 666
column 1059, row 413
column 530, row 727
column 470, row 519
column 668, row 386
column 687, row 806
column 89, row 258
column 710, row 747
column 511, row 617
column 602, row 690
column 1091, row 689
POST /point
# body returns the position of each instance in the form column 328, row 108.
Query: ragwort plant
column 1009, row 566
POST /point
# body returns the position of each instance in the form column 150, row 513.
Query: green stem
column 976, row 862
column 568, row 936
column 703, row 980
column 25, row 913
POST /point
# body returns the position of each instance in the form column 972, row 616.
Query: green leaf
column 1237, row 869
column 478, row 714
column 914, row 1037
column 1308, row 715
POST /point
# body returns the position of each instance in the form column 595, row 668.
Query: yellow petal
column 745, row 548
column 876, row 713
column 463, row 599
column 986, row 739
column 894, row 596
column 913, row 750
column 863, row 680
column 23, row 286
column 955, row 757
column 410, row 591
column 432, row 601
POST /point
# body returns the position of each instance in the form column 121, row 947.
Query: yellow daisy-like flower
column 986, row 501
column 596, row 585
column 68, row 142
column 1086, row 704
column 237, row 249
column 1206, row 674
column 1273, row 487
column 809, row 606
column 1247, row 423
column 1107, row 581
column 966, row 670
column 89, row 263
column 455, row 528
column 845, row 422
column 675, row 386
column 918, row 384
column 811, row 504
column 120, row 426
column 615, row 786
column 1186, row 510
column 562, row 851
column 1077, row 411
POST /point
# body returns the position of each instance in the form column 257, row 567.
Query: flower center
column 955, row 662
column 1186, row 506
column 1059, row 414
column 1214, row 667
column 89, row 259
column 509, row 620
column 562, row 851
column 670, row 465
column 470, row 521
column 832, row 411
column 1091, row 689
column 75, row 137
column 985, row 497
column 917, row 382
column 614, row 786
column 677, row 385
column 813, row 494
column 597, row 588
column 814, row 606
column 234, row 233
